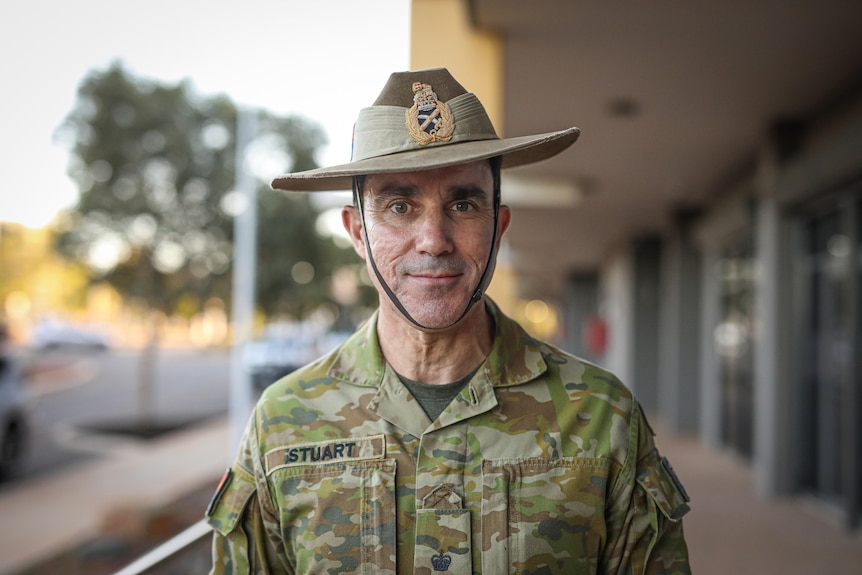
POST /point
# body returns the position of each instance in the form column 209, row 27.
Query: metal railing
column 168, row 549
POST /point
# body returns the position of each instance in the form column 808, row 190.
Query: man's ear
column 504, row 218
column 353, row 224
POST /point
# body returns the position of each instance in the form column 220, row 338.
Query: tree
column 154, row 165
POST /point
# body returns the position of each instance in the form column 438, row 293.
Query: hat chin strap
column 478, row 293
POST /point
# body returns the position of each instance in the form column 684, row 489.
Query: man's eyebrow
column 455, row 193
column 394, row 191
column 468, row 193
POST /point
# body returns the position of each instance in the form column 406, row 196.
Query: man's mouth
column 435, row 278
column 437, row 272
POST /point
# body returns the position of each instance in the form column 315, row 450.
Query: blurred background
column 702, row 240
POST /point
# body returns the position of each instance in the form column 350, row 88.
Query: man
column 441, row 437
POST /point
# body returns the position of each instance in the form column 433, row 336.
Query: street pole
column 243, row 296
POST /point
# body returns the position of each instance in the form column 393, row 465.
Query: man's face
column 430, row 234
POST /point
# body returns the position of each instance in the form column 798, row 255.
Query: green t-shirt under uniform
column 434, row 398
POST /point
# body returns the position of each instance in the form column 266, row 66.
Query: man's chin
column 439, row 313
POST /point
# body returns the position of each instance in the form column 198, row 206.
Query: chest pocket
column 543, row 515
column 338, row 517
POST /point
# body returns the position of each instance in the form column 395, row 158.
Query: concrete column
column 615, row 306
column 646, row 295
column 679, row 391
column 766, row 373
column 778, row 320
column 581, row 303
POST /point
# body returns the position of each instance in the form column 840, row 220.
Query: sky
column 323, row 59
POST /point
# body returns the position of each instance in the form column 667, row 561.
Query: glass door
column 734, row 337
column 830, row 394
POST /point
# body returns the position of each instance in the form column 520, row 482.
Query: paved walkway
column 59, row 512
column 729, row 530
column 732, row 532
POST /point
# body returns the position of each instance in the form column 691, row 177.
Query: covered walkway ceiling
column 674, row 99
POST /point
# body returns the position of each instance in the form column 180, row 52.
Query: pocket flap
column 443, row 541
column 230, row 499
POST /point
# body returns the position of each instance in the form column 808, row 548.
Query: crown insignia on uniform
column 441, row 562
column 429, row 120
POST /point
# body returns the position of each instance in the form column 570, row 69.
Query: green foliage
column 154, row 165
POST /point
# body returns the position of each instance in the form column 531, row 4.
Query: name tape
column 323, row 452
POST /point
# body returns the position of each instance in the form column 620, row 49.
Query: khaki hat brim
column 518, row 151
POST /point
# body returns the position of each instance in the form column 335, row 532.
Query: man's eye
column 462, row 206
column 399, row 207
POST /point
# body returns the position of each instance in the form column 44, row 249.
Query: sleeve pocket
column 664, row 488
column 230, row 499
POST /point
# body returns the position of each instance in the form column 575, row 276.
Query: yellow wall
column 474, row 58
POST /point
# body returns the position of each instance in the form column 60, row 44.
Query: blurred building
column 704, row 237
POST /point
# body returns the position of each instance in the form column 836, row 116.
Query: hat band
column 382, row 130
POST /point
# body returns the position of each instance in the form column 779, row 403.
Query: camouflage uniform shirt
column 542, row 464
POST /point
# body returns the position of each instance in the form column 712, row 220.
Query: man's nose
column 434, row 234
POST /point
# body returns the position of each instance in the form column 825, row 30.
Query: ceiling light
column 540, row 192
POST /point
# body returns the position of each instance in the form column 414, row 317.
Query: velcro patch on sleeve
column 326, row 452
column 664, row 488
column 230, row 499
column 219, row 491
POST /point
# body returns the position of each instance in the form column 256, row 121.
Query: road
column 87, row 402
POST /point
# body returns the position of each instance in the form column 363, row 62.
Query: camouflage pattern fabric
column 543, row 464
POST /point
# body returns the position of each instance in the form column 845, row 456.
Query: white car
column 53, row 334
